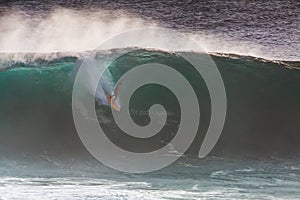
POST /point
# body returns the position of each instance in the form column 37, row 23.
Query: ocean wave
column 262, row 99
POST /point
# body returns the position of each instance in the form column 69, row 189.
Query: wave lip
column 36, row 60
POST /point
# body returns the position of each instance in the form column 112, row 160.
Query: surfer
column 112, row 99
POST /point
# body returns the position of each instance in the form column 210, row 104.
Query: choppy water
column 262, row 29
column 212, row 178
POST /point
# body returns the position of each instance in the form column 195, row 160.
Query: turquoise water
column 262, row 100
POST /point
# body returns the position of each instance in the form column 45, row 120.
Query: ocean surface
column 254, row 44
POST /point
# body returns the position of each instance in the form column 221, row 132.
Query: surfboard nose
column 115, row 106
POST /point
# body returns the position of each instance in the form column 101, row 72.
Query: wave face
column 262, row 118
